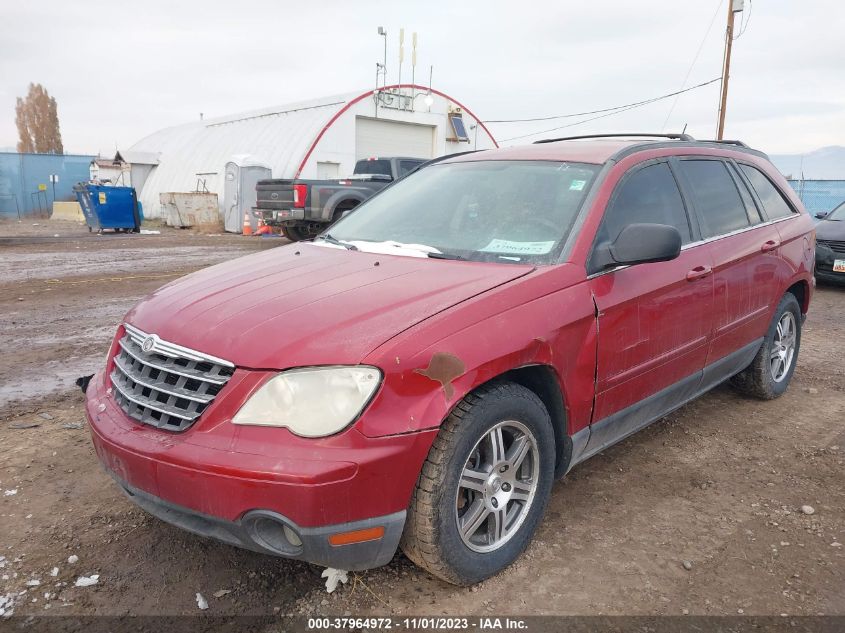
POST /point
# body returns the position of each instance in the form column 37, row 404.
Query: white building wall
column 281, row 137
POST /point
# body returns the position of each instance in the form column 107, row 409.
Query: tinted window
column 717, row 201
column 649, row 195
column 773, row 202
column 750, row 206
column 381, row 167
column 407, row 165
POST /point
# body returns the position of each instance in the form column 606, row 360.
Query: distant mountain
column 826, row 163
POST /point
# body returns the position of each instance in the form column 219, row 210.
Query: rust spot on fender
column 443, row 368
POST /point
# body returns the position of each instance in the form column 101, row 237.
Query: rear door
column 744, row 250
column 654, row 320
column 795, row 249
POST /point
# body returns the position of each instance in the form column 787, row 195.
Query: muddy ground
column 698, row 514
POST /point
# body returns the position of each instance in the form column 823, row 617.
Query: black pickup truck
column 304, row 208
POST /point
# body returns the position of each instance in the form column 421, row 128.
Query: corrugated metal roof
column 278, row 136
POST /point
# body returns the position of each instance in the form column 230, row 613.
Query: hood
column 831, row 230
column 305, row 305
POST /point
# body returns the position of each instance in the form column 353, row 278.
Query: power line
column 694, row 60
column 616, row 110
column 569, row 116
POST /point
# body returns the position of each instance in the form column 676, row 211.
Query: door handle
column 698, row 272
column 769, row 246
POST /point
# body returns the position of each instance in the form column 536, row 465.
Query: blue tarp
column 25, row 184
column 819, row 195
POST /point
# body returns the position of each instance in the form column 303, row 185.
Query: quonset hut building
column 322, row 138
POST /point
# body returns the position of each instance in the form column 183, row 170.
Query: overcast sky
column 121, row 70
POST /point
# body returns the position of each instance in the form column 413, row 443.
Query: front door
column 654, row 320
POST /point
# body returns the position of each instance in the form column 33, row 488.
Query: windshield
column 837, row 214
column 509, row 211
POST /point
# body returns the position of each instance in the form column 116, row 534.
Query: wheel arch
column 801, row 290
column 544, row 382
column 340, row 199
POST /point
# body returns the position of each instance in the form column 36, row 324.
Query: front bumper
column 265, row 532
column 825, row 258
column 218, row 480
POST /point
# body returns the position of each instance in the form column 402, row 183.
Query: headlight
column 313, row 401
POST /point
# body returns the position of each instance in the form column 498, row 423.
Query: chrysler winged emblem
column 149, row 343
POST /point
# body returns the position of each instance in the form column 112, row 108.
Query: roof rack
column 726, row 142
column 678, row 137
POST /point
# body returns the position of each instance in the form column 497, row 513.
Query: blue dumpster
column 109, row 207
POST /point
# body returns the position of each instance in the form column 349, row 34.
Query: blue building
column 30, row 183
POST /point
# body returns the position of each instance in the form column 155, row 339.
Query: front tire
column 769, row 374
column 484, row 487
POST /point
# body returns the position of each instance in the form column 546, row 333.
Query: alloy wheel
column 497, row 486
column 783, row 346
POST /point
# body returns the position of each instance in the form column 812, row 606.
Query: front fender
column 422, row 385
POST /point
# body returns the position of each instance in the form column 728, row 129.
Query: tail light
column 299, row 193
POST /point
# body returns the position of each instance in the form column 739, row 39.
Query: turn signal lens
column 357, row 536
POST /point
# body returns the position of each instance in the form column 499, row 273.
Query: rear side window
column 649, row 195
column 773, row 201
column 717, row 203
column 750, row 206
column 407, row 165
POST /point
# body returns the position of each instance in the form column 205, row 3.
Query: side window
column 772, row 199
column 407, row 165
column 718, row 205
column 750, row 206
column 649, row 195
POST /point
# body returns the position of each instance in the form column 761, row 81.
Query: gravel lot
column 700, row 513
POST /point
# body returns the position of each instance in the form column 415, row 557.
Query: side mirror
column 821, row 215
column 640, row 244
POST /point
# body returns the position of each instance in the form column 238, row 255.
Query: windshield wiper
column 327, row 237
column 446, row 256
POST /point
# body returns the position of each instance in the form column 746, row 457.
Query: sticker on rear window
column 577, row 185
column 520, row 248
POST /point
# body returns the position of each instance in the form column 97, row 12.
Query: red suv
column 419, row 376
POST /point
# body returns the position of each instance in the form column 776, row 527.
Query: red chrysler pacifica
column 418, row 376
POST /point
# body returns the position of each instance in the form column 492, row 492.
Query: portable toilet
column 242, row 173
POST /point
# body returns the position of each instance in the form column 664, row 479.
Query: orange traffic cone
column 247, row 224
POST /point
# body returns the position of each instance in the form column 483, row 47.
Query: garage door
column 377, row 137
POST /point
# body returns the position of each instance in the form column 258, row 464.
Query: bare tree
column 37, row 118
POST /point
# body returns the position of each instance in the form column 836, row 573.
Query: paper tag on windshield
column 518, row 248
column 577, row 185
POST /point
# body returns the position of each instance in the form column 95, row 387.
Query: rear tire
column 484, row 487
column 769, row 374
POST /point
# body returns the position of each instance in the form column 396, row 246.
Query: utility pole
column 734, row 7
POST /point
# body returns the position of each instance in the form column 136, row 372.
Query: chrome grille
column 162, row 384
column 837, row 246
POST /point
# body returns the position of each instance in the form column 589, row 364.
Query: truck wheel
column 292, row 233
column 484, row 486
column 768, row 375
column 343, row 208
